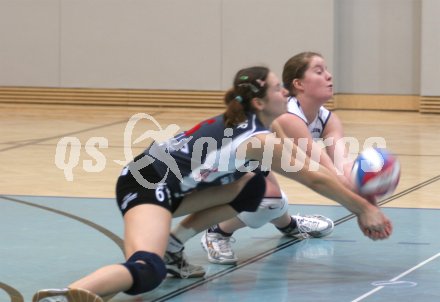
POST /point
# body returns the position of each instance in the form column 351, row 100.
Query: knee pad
column 268, row 210
column 148, row 274
column 250, row 197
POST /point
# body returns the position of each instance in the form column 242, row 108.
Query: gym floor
column 61, row 223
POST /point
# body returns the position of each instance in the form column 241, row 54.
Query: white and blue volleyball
column 375, row 173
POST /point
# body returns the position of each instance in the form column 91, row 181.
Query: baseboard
column 377, row 102
column 112, row 97
column 197, row 99
column 430, row 104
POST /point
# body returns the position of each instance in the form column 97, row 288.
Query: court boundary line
column 395, row 196
column 226, row 271
column 113, row 198
column 219, row 274
column 107, row 233
column 360, row 298
column 29, row 142
column 13, row 293
column 291, row 242
column 36, row 141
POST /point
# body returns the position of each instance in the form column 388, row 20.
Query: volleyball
column 375, row 173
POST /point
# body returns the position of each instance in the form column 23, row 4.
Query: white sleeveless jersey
column 316, row 127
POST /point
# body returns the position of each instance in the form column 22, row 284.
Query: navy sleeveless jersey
column 205, row 155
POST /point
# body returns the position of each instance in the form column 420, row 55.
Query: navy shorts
column 130, row 192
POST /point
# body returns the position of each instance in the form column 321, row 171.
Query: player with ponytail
column 310, row 85
column 209, row 173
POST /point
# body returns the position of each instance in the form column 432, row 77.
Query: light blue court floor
column 48, row 242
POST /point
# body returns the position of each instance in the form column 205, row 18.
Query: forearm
column 342, row 174
column 327, row 185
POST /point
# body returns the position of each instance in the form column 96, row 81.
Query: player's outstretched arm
column 290, row 161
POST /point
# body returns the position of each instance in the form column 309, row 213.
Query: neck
column 265, row 120
column 309, row 106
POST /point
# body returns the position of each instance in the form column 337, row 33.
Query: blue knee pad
column 251, row 196
column 148, row 274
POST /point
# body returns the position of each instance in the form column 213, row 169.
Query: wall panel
column 377, row 46
column 270, row 32
column 29, row 42
column 161, row 44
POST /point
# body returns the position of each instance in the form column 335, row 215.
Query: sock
column 174, row 244
column 182, row 233
column 290, row 227
column 216, row 229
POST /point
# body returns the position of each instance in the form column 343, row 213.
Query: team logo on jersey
column 204, row 173
column 243, row 125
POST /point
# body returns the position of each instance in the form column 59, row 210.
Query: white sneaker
column 312, row 225
column 66, row 295
column 218, row 248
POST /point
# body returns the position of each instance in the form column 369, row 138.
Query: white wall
column 378, row 46
column 271, row 31
column 371, row 46
column 430, row 58
column 29, row 42
column 154, row 44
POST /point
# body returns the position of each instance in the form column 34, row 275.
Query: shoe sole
column 213, row 260
column 72, row 295
column 180, row 276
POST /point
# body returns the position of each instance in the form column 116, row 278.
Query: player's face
column 317, row 81
column 276, row 96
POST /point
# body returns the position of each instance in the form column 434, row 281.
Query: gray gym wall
column 371, row 46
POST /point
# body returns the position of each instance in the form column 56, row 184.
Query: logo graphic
column 218, row 158
column 156, row 135
column 161, row 149
column 127, row 198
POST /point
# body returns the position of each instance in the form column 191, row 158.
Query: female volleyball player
column 310, row 85
column 196, row 173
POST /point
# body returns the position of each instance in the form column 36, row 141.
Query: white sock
column 174, row 244
column 178, row 237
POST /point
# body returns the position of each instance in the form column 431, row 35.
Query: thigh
column 272, row 187
column 147, row 227
column 212, row 197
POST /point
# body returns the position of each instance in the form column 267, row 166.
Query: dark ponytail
column 249, row 83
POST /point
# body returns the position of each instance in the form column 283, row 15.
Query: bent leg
column 248, row 195
column 146, row 229
column 211, row 197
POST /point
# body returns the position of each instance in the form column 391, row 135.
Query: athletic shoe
column 218, row 248
column 66, row 295
column 311, row 225
column 178, row 266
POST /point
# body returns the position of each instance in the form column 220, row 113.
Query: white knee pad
column 268, row 210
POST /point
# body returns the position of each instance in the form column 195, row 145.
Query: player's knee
column 251, row 196
column 147, row 270
column 269, row 209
